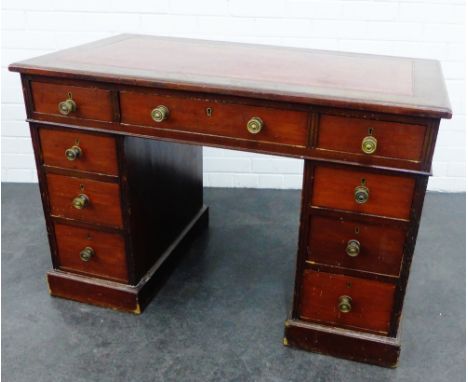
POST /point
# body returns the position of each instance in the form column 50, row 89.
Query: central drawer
column 86, row 200
column 281, row 126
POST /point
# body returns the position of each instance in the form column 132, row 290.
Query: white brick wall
column 418, row 28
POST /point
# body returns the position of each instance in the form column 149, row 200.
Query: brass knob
column 361, row 194
column 73, row 152
column 344, row 304
column 160, row 113
column 67, row 106
column 369, row 145
column 255, row 125
column 80, row 202
column 86, row 253
column 353, row 247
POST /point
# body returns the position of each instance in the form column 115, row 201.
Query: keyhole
column 69, row 95
column 363, row 181
column 82, row 187
column 356, row 230
column 209, row 111
column 371, row 130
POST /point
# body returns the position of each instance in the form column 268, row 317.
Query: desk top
column 316, row 77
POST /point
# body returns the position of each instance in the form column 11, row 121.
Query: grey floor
column 220, row 315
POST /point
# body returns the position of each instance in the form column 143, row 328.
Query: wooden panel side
column 164, row 192
column 412, row 234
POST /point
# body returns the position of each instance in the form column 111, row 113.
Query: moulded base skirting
column 343, row 343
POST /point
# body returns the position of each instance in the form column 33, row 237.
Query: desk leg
column 161, row 185
column 312, row 334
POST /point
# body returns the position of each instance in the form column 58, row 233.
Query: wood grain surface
column 91, row 102
column 99, row 153
column 381, row 244
column 108, row 261
column 359, row 81
column 286, row 127
column 394, row 140
column 389, row 195
column 104, row 206
column 372, row 301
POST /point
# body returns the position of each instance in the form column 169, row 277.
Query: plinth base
column 343, row 343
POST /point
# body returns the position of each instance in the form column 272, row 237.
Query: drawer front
column 91, row 103
column 95, row 153
column 352, row 244
column 393, row 140
column 91, row 252
column 285, row 127
column 388, row 195
column 370, row 304
column 103, row 206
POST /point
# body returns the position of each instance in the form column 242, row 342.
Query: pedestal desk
column 118, row 127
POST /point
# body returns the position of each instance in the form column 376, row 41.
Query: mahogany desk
column 117, row 128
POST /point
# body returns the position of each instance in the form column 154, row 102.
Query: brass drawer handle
column 80, row 202
column 369, row 145
column 68, row 106
column 344, row 304
column 361, row 194
column 353, row 248
column 160, row 113
column 255, row 125
column 73, row 152
column 86, row 254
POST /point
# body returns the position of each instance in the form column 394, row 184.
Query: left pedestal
column 118, row 211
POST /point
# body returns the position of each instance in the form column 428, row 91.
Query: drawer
column 96, row 153
column 391, row 139
column 287, row 127
column 103, row 199
column 91, row 252
column 370, row 303
column 91, row 102
column 350, row 243
column 387, row 195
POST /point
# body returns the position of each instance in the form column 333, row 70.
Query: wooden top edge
column 428, row 98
